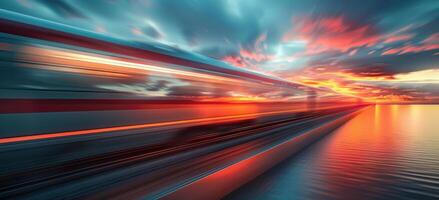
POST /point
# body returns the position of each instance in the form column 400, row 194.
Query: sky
column 383, row 50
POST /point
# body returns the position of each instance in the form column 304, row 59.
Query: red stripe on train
column 69, row 105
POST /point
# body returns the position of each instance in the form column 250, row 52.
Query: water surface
column 386, row 152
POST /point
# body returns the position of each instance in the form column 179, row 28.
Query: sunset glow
column 219, row 99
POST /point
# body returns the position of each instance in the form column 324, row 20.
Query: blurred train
column 57, row 80
column 71, row 100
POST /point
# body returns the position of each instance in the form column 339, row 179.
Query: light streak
column 141, row 126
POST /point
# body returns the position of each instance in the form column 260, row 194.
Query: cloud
column 235, row 61
column 398, row 38
column 424, row 76
column 373, row 84
column 331, row 34
column 428, row 44
column 152, row 32
column 355, row 43
column 63, row 8
column 256, row 54
column 411, row 49
column 432, row 39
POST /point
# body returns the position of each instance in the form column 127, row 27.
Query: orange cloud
column 251, row 58
column 234, row 60
column 258, row 57
column 390, row 51
column 432, row 39
column 397, row 38
column 331, row 34
column 364, row 84
column 411, row 49
column 368, row 93
column 424, row 76
column 430, row 43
